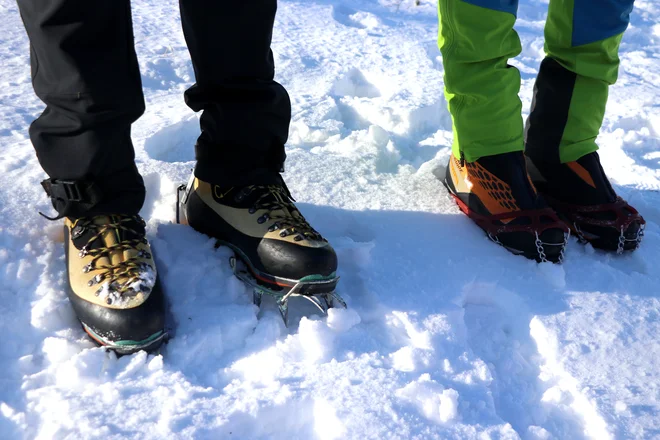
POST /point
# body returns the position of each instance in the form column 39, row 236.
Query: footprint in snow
column 498, row 331
column 354, row 84
column 174, row 143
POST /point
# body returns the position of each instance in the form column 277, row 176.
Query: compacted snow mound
column 446, row 335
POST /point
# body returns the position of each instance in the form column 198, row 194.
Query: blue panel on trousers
column 596, row 20
column 510, row 6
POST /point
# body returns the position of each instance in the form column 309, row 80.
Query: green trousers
column 476, row 39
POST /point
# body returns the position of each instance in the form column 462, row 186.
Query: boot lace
column 130, row 269
column 278, row 203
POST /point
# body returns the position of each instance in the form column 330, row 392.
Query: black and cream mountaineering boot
column 282, row 254
column 113, row 282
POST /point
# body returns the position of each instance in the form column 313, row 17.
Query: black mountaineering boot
column 582, row 196
column 496, row 193
column 113, row 283
column 283, row 255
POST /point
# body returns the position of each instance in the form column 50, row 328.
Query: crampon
column 537, row 222
column 495, row 192
column 612, row 226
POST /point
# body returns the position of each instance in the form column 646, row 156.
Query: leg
column 570, row 96
column 246, row 115
column 486, row 174
column 85, row 70
column 476, row 40
column 238, row 195
column 571, row 89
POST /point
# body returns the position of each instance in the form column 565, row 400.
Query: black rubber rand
column 134, row 324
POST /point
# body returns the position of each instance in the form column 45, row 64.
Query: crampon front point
column 317, row 291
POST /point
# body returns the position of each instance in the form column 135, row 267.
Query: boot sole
column 150, row 344
column 318, row 284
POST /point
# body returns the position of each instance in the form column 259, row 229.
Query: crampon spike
column 314, row 300
column 179, row 190
column 335, row 297
column 283, row 305
column 182, row 194
column 256, row 297
column 329, row 301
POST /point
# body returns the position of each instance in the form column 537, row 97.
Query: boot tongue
column 110, row 237
column 266, row 196
column 82, row 232
column 286, row 209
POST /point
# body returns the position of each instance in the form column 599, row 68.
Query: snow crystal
column 446, row 335
column 403, row 359
column 327, row 425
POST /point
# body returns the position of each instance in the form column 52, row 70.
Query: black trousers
column 84, row 68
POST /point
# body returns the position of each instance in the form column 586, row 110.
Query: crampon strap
column 493, row 224
column 624, row 214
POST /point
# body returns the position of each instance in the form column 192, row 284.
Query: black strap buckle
column 72, row 197
column 63, row 189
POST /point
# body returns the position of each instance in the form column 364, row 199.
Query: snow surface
column 446, row 334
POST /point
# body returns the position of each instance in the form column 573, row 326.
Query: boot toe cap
column 293, row 261
column 120, row 325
